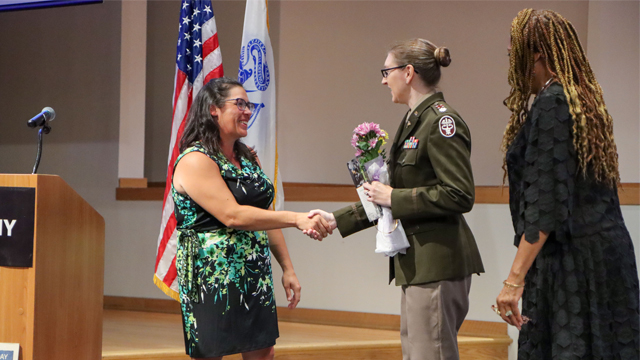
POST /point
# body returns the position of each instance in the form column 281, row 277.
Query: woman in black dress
column 575, row 267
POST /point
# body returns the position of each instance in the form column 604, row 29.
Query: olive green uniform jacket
column 432, row 187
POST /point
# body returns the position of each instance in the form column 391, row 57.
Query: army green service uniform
column 430, row 172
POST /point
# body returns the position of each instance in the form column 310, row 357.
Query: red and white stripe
column 184, row 92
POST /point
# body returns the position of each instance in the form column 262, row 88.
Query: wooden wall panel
column 629, row 193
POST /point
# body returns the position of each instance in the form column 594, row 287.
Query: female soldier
column 431, row 187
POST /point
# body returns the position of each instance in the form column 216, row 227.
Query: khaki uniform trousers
column 431, row 316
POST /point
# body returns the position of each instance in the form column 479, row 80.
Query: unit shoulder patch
column 447, row 126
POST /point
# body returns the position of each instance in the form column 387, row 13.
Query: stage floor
column 130, row 335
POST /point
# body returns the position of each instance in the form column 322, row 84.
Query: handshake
column 317, row 224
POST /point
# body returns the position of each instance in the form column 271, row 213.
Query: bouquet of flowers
column 369, row 165
column 367, row 139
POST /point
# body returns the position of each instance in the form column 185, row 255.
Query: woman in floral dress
column 226, row 232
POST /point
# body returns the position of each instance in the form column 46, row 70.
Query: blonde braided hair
column 548, row 33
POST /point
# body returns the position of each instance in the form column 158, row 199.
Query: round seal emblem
column 447, row 126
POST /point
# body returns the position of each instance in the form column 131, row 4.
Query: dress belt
column 186, row 264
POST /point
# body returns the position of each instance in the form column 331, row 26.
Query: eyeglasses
column 243, row 104
column 387, row 71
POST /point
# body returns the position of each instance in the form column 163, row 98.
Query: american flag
column 198, row 60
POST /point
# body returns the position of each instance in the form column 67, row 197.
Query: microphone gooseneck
column 42, row 119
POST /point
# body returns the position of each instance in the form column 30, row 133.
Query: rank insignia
column 411, row 143
column 441, row 108
column 447, row 126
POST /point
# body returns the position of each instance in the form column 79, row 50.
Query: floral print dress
column 224, row 274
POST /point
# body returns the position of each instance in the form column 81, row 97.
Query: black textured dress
column 581, row 292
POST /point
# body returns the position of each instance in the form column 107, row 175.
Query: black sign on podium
column 17, row 213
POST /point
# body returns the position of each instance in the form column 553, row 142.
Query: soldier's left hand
column 378, row 193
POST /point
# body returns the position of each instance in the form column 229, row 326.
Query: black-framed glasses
column 243, row 104
column 385, row 72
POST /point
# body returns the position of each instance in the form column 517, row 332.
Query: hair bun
column 442, row 56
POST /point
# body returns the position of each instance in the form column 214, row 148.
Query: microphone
column 47, row 114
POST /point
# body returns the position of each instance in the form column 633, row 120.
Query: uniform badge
column 411, row 143
column 447, row 126
column 408, row 123
column 441, row 108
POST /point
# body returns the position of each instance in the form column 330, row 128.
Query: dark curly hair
column 203, row 127
column 548, row 33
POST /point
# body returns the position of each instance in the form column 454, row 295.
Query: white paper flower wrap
column 391, row 238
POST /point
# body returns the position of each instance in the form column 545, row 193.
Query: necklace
column 546, row 85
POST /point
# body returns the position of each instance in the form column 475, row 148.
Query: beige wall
column 615, row 57
column 329, row 79
column 328, row 56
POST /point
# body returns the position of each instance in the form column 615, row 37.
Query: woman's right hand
column 315, row 227
column 507, row 304
column 328, row 217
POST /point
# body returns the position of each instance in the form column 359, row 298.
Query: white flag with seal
column 257, row 76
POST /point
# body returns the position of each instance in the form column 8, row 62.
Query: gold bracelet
column 514, row 286
column 395, row 226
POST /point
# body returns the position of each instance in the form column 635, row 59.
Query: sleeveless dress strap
column 197, row 147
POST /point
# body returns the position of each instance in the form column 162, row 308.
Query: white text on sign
column 8, row 225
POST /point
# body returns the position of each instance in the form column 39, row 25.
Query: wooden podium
column 54, row 308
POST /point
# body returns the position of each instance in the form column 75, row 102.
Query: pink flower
column 372, row 132
column 364, row 128
column 354, row 141
column 360, row 129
